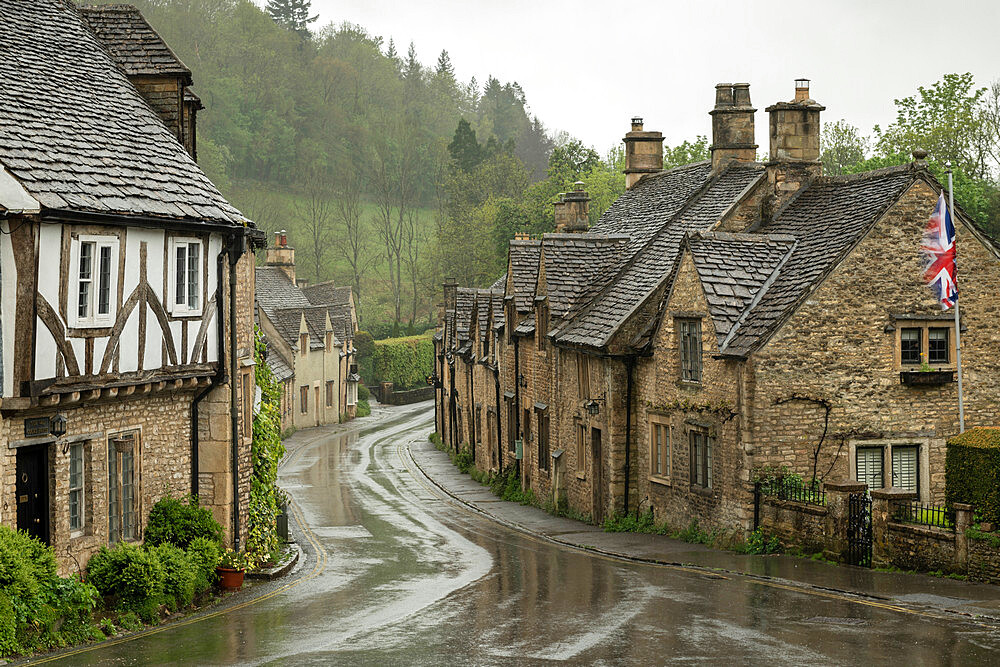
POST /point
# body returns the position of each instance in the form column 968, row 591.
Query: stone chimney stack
column 282, row 255
column 577, row 207
column 643, row 153
column 794, row 133
column 450, row 289
column 559, row 207
column 732, row 125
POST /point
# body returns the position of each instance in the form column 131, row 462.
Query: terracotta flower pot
column 231, row 580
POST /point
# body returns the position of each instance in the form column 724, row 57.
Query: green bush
column 178, row 522
column 132, row 576
column 178, row 576
column 8, row 626
column 972, row 471
column 464, row 460
column 27, row 569
column 405, row 362
column 363, row 393
column 363, row 409
column 204, row 554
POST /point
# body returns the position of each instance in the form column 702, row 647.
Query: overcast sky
column 587, row 67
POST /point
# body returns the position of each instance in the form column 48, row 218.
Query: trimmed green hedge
column 405, row 362
column 972, row 471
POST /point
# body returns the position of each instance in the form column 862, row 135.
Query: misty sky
column 587, row 67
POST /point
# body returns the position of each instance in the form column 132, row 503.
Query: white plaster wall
column 8, row 281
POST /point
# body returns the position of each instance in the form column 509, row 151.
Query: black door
column 33, row 491
column 596, row 483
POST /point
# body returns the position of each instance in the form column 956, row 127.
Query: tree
column 354, row 246
column 444, row 66
column 464, row 149
column 842, row 146
column 315, row 213
column 686, row 152
column 292, row 14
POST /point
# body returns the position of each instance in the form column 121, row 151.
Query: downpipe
column 629, row 365
column 517, row 402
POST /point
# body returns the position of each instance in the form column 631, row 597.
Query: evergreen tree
column 464, row 149
column 391, row 53
column 411, row 70
column 444, row 67
column 292, row 14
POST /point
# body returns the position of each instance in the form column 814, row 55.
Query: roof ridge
column 881, row 172
column 761, row 237
column 758, row 295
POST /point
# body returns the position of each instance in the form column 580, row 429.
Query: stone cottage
column 309, row 342
column 126, row 286
column 730, row 316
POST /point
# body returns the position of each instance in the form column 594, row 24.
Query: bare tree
column 315, row 211
column 355, row 244
column 413, row 240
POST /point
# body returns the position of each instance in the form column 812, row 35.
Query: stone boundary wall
column 391, row 397
column 795, row 523
column 923, row 548
column 984, row 560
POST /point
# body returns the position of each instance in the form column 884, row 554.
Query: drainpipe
column 629, row 365
column 517, row 400
column 237, row 242
column 470, row 370
column 220, row 375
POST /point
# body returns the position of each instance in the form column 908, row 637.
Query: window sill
column 926, row 378
column 83, row 330
column 581, row 476
column 689, row 384
column 662, row 481
column 184, row 314
column 702, row 490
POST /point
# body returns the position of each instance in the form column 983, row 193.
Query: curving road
column 396, row 572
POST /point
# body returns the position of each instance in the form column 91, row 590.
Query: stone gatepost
column 838, row 494
column 963, row 519
column 884, row 503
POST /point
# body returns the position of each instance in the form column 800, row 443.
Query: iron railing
column 793, row 489
column 914, row 511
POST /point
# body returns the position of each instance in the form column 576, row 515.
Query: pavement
column 907, row 590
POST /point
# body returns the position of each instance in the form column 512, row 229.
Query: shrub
column 204, row 554
column 8, row 626
column 178, row 522
column 405, row 362
column 760, row 542
column 464, row 460
column 27, row 569
column 972, row 471
column 178, row 576
column 363, row 392
column 129, row 574
column 363, row 409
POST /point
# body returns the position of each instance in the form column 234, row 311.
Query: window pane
column 83, row 294
column 104, row 282
column 181, row 289
column 904, row 468
column 193, row 284
column 113, row 490
column 86, row 260
column 75, row 487
column 869, row 466
column 909, row 346
column 128, row 496
column 937, row 345
column 658, row 453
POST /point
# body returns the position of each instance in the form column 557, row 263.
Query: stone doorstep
column 279, row 570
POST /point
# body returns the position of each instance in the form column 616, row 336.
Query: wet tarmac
column 394, row 571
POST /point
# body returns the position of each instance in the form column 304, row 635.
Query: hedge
column 405, row 362
column 972, row 471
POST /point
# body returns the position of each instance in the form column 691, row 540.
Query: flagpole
column 958, row 326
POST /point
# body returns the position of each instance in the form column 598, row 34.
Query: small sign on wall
column 519, row 449
column 37, row 427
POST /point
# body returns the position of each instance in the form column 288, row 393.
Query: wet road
column 395, row 572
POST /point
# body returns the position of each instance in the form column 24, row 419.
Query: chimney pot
column 732, row 125
column 578, row 186
column 801, row 90
column 723, row 95
column 637, row 123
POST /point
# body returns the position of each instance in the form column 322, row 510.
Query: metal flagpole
column 958, row 326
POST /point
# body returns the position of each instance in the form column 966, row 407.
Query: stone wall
column 163, row 467
column 922, row 548
column 984, row 560
column 164, row 95
column 795, row 523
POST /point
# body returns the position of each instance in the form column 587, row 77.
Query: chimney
column 577, row 209
column 643, row 153
column 450, row 289
column 560, row 211
column 302, row 283
column 732, row 125
column 282, row 255
column 794, row 132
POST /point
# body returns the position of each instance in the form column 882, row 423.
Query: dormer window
column 94, row 271
column 689, row 331
column 185, row 272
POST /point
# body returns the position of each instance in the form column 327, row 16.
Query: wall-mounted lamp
column 593, row 408
column 57, row 425
column 521, row 381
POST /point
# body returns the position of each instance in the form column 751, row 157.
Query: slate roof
column 78, row 136
column 279, row 368
column 661, row 209
column 577, row 266
column 132, row 42
column 284, row 304
column 524, row 256
column 827, row 219
column 464, row 302
column 340, row 317
column 276, row 290
column 733, row 268
column 327, row 293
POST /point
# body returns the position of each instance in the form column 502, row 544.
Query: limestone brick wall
column 710, row 406
column 924, row 548
column 795, row 523
column 839, row 348
column 163, row 467
column 164, row 95
column 984, row 561
column 748, row 211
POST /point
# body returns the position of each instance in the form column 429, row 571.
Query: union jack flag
column 937, row 252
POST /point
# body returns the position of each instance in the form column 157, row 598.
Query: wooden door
column 33, row 491
column 596, row 481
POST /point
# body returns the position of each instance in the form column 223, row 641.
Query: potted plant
column 231, row 569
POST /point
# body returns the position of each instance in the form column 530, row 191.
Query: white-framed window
column 185, row 276
column 868, row 466
column 93, row 281
column 77, row 516
column 905, row 467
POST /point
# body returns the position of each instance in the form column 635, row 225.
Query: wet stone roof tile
column 132, row 42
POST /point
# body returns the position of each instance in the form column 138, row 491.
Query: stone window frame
column 887, row 445
column 580, row 430
column 246, row 389
column 81, row 529
column 542, row 417
column 701, row 481
column 655, row 423
column 691, row 361
column 93, row 319
column 924, row 326
column 135, row 434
